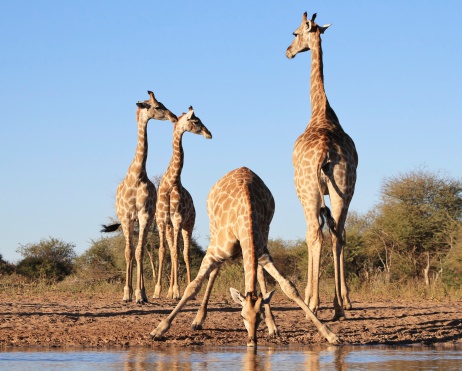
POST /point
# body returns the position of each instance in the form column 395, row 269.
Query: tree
column 452, row 264
column 356, row 257
column 51, row 259
column 412, row 228
column 101, row 259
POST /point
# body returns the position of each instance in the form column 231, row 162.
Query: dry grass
column 232, row 275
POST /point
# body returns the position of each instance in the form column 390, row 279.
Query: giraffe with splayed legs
column 240, row 208
column 136, row 198
column 325, row 162
column 175, row 211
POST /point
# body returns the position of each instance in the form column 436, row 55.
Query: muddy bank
column 76, row 321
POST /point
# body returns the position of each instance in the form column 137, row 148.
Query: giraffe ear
column 323, row 28
column 236, row 295
column 308, row 26
column 143, row 105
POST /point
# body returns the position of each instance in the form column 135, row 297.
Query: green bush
column 50, row 259
column 6, row 267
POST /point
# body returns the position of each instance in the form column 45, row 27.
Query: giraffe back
column 241, row 207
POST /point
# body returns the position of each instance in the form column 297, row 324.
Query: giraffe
column 136, row 198
column 325, row 162
column 240, row 208
column 175, row 208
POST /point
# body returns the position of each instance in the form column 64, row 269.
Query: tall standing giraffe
column 240, row 208
column 136, row 198
column 325, row 162
column 175, row 208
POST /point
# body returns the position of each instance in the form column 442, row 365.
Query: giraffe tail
column 110, row 228
column 324, row 211
column 326, row 217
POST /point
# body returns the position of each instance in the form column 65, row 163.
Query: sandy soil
column 104, row 321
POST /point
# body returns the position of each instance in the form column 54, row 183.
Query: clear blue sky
column 71, row 73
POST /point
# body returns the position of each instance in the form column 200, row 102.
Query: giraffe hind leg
column 140, row 292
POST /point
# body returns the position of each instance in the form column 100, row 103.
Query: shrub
column 50, row 259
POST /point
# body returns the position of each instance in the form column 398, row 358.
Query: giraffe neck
column 319, row 102
column 176, row 163
column 251, row 260
column 138, row 165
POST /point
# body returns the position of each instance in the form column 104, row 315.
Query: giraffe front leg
column 208, row 264
column 291, row 291
column 269, row 317
column 202, row 311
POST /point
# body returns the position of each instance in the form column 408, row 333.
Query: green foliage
column 290, row 258
column 105, row 258
column 100, row 260
column 412, row 228
column 355, row 252
column 50, row 259
column 452, row 264
column 6, row 267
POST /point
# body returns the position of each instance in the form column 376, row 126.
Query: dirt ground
column 79, row 321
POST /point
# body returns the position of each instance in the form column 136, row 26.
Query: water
column 356, row 358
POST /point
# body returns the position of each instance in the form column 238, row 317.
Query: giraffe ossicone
column 325, row 162
column 240, row 208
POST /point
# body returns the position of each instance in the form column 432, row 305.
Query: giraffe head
column 190, row 122
column 306, row 35
column 253, row 311
column 153, row 109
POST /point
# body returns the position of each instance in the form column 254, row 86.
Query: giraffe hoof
column 339, row 317
column 348, row 306
column 196, row 326
column 274, row 334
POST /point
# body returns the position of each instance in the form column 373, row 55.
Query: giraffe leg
column 162, row 250
column 269, row 317
column 291, row 291
column 186, row 250
column 140, row 292
column 207, row 266
column 314, row 242
column 339, row 214
column 345, row 289
column 339, row 313
column 202, row 312
column 174, row 289
column 187, row 244
column 127, row 228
